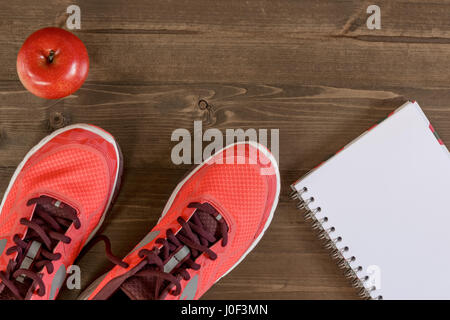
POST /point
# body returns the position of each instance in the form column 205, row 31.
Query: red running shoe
column 212, row 220
column 56, row 201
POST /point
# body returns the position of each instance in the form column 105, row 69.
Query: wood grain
column 308, row 68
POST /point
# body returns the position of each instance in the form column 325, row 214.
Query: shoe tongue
column 32, row 252
column 23, row 284
column 143, row 288
column 53, row 206
column 6, row 294
column 210, row 223
column 140, row 288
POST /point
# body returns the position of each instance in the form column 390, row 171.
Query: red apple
column 52, row 63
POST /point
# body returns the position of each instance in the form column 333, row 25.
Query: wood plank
column 254, row 46
column 314, row 121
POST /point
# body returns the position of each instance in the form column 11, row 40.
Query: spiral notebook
column 382, row 205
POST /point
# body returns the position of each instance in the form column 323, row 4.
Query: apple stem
column 50, row 57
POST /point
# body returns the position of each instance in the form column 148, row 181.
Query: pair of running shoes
column 61, row 192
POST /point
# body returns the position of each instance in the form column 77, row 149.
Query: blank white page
column 387, row 194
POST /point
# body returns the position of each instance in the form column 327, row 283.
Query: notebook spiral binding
column 331, row 242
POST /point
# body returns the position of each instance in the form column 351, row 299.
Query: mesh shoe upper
column 242, row 187
column 78, row 166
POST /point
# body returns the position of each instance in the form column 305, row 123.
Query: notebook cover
column 387, row 196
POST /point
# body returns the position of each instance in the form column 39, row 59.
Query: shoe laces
column 193, row 238
column 46, row 228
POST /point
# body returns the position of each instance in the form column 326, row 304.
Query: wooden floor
column 309, row 68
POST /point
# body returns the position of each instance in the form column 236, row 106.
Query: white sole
column 274, row 205
column 37, row 147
